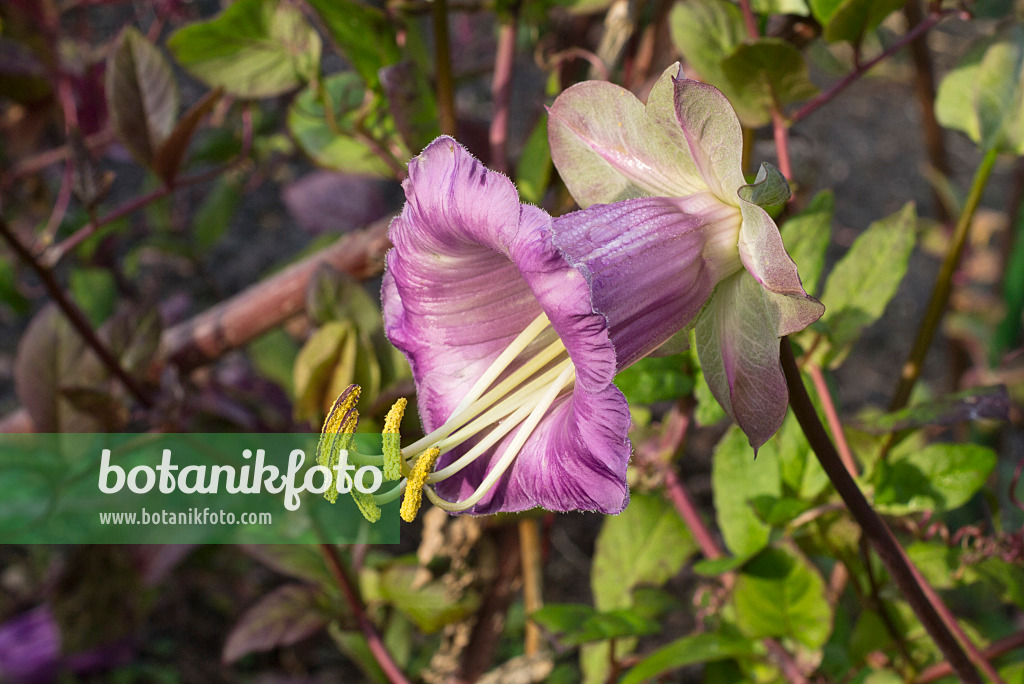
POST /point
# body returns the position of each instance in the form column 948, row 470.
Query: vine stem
column 863, row 67
column 501, row 93
column 873, row 527
column 943, row 286
column 75, row 316
column 780, row 129
column 994, row 650
column 443, row 60
column 370, row 633
column 532, row 561
column 54, row 254
column 677, row 425
column 832, row 416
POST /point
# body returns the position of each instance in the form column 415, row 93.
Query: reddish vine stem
column 75, row 316
column 37, row 163
column 679, row 423
column 994, row 650
column 501, row 93
column 832, row 416
column 53, row 255
column 861, row 69
column 871, row 524
column 366, row 626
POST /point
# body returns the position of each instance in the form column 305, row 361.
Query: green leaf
column 767, row 70
column 655, row 379
column 992, row 403
column 353, row 645
column 802, row 475
column 363, row 34
column 938, row 478
column 797, row 7
column 851, row 20
column 736, row 479
column 534, row 169
column 283, row 617
column 706, row 32
column 709, row 411
column 335, row 296
column 770, row 188
column 646, row 544
column 579, row 624
column 273, row 355
column 333, row 143
column 429, row 606
column 95, row 290
column 806, row 236
column 253, row 49
column 332, row 345
column 866, row 278
column 213, row 217
column 9, row 293
column 142, row 95
column 780, row 594
column 692, row 649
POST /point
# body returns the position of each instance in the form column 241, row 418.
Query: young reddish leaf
column 142, row 95
column 283, row 617
column 170, row 154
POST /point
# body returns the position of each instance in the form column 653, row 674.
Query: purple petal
column 651, row 263
column 592, row 428
column 738, row 345
column 470, row 269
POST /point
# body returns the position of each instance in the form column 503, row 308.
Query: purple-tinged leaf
column 608, row 146
column 330, row 201
column 283, row 617
column 978, row 403
column 172, row 151
column 293, row 560
column 738, row 344
column 142, row 95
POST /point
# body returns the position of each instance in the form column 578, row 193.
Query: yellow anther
column 417, row 479
column 337, row 435
column 392, row 439
column 367, row 506
column 394, row 418
column 346, row 401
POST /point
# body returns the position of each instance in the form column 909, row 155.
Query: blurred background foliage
column 202, row 190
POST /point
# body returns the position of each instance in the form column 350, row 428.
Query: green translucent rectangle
column 50, row 491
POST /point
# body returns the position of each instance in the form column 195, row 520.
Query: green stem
column 443, row 60
column 943, row 286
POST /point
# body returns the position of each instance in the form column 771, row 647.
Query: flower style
column 626, row 163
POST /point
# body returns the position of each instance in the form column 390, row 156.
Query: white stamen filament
column 539, row 324
column 541, row 407
column 457, row 420
column 519, row 400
